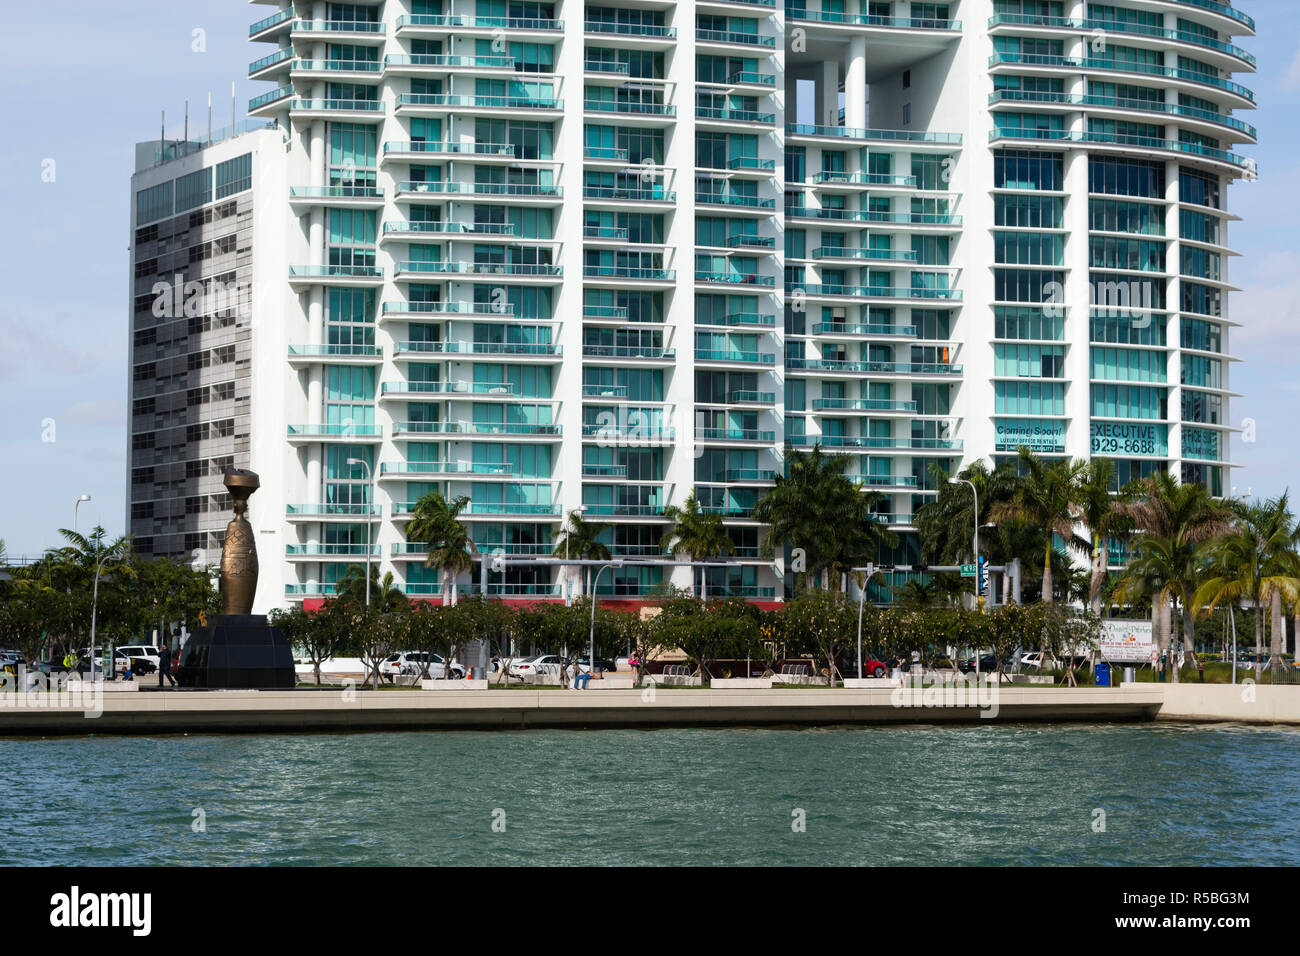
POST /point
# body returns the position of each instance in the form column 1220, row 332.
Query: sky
column 81, row 90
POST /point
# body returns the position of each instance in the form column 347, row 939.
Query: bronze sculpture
column 239, row 552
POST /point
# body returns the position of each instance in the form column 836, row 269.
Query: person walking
column 165, row 665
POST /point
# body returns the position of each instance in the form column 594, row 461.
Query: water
column 1019, row 795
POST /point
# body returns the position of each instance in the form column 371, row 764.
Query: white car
column 1033, row 659
column 411, row 663
column 538, row 663
column 132, row 652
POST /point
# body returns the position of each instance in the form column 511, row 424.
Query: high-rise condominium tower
column 596, row 257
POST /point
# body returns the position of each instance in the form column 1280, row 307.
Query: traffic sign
column 968, row 570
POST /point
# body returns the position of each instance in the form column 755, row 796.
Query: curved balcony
column 1236, row 56
column 269, row 66
column 1219, row 121
column 1125, row 143
column 272, row 27
column 269, row 102
column 1090, row 65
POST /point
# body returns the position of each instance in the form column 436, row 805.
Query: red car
column 870, row 667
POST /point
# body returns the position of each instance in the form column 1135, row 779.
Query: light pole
column 370, row 502
column 979, row 595
column 595, row 585
column 94, row 606
column 870, row 570
column 74, row 511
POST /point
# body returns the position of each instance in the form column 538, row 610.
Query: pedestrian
column 165, row 664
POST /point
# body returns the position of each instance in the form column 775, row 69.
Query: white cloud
column 1292, row 79
column 1268, row 308
column 107, row 412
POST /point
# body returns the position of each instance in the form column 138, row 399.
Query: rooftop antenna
column 232, row 105
column 187, row 122
column 162, row 138
column 209, row 117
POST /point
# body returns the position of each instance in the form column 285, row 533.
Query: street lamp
column 595, row 585
column 94, row 606
column 74, row 511
column 869, row 573
column 370, row 502
column 979, row 595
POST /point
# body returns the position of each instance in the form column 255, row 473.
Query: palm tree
column 581, row 539
column 1105, row 517
column 1173, row 521
column 1044, row 497
column 696, row 534
column 436, row 523
column 384, row 592
column 818, row 509
column 1256, row 562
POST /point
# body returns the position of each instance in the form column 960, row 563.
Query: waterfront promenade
column 333, row 710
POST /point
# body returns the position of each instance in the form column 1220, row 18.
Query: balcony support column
column 855, row 84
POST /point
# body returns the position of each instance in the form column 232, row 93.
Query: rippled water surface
column 1171, row 794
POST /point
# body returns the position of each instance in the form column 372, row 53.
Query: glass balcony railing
column 735, row 116
column 477, row 149
column 879, row 292
column 524, row 269
column 604, row 391
column 870, row 20
column 1128, row 105
column 258, row 102
column 629, row 272
column 877, row 368
column 735, row 434
column 865, row 215
column 609, row 153
column 1091, row 25
column 336, row 192
column 278, row 57
column 840, row 177
column 732, row 355
column 1143, row 69
column 649, row 434
column 503, row 310
column 628, row 351
column 605, row 66
column 748, row 474
column 480, row 189
column 735, row 200
column 453, row 100
column 448, row 388
column 861, row 405
column 615, row 313
column 486, row 61
column 730, row 36
column 348, row 430
column 336, row 272
column 492, row 469
column 336, row 351
column 479, row 348
column 479, row 23
column 273, row 20
column 521, row 429
column 731, row 278
column 331, row 510
column 850, row 328
column 751, row 78
column 331, row 550
column 626, row 511
column 640, row 109
column 892, row 135
column 1121, row 139
column 443, row 227
column 873, row 255
column 338, row 106
column 650, row 30
column 604, row 471
column 750, row 397
column 630, row 193
column 375, row 27
column 335, row 66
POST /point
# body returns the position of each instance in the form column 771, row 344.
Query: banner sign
column 1129, row 438
column 1127, row 641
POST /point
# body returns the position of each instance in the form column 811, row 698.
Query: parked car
column 529, row 665
column 142, row 658
column 602, row 665
column 988, row 664
column 870, row 667
column 1035, row 660
column 411, row 663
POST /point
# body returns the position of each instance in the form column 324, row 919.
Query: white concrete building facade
column 595, row 257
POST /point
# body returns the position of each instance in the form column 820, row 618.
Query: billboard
column 1126, row 641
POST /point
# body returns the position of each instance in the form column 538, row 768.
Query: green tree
column 435, row 522
column 580, row 539
column 697, row 534
column 1044, row 496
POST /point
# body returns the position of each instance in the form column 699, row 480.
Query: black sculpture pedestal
column 239, row 651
